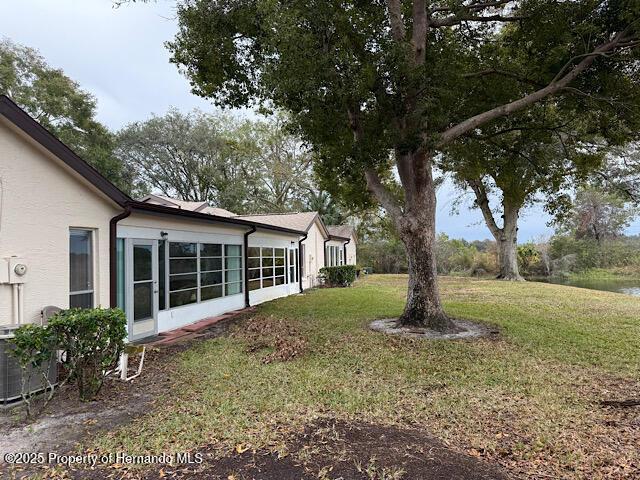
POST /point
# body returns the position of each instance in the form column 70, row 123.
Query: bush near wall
column 91, row 341
column 341, row 276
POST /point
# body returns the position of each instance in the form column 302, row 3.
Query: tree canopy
column 379, row 88
column 243, row 166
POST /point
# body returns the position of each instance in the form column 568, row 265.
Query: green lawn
column 528, row 400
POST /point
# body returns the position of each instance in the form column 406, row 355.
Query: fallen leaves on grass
column 281, row 337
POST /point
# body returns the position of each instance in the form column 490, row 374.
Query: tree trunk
column 417, row 230
column 508, row 244
column 423, row 307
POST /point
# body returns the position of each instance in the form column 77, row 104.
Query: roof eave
column 50, row 142
column 163, row 210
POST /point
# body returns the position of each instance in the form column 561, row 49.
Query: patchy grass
column 529, row 400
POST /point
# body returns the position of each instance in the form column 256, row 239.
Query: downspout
column 247, row 303
column 113, row 255
column 344, row 254
column 300, row 259
column 325, row 250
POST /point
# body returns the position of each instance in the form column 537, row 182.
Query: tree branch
column 384, row 196
column 472, row 6
column 482, row 201
column 419, row 34
column 374, row 184
column 395, row 19
column 523, row 102
column 466, row 17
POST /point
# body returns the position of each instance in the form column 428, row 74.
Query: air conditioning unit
column 11, row 372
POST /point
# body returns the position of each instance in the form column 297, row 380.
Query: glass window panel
column 253, row 263
column 280, row 252
column 267, row 272
column 162, row 277
column 253, row 251
column 81, row 300
column 80, row 261
column 267, row 252
column 233, row 288
column 142, row 301
column 211, row 278
column 280, row 261
column 279, row 280
column 207, row 264
column 142, row 262
column 279, row 271
column 183, row 298
column 233, row 263
column 180, row 282
column 207, row 293
column 292, row 274
column 254, row 284
column 210, row 250
column 233, row 250
column 267, row 282
column 234, row 276
column 255, row 273
column 291, row 256
column 267, row 261
column 183, row 265
column 182, row 249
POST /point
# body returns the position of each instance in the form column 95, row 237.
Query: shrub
column 383, row 255
column 92, row 341
column 34, row 348
column 341, row 276
column 528, row 258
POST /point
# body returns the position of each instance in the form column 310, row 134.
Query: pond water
column 628, row 286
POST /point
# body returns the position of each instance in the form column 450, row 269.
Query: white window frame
column 199, row 271
column 92, row 262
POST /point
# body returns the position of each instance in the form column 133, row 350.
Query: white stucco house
column 70, row 238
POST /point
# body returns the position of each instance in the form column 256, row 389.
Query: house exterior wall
column 352, row 258
column 40, row 200
column 314, row 256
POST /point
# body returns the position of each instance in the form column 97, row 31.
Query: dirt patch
column 67, row 421
column 280, row 337
column 330, row 449
column 467, row 329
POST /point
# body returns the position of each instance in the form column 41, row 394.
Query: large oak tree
column 381, row 87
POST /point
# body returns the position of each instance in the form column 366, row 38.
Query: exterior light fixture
column 164, row 235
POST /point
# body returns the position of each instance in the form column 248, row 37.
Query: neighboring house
column 321, row 246
column 70, row 238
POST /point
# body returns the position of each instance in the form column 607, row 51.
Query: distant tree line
column 589, row 234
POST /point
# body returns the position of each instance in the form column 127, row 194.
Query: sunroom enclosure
column 168, row 278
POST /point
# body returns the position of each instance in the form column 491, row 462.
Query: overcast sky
column 118, row 55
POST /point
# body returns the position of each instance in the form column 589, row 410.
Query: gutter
column 325, row 250
column 247, row 303
column 344, row 248
column 113, row 255
column 301, row 260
